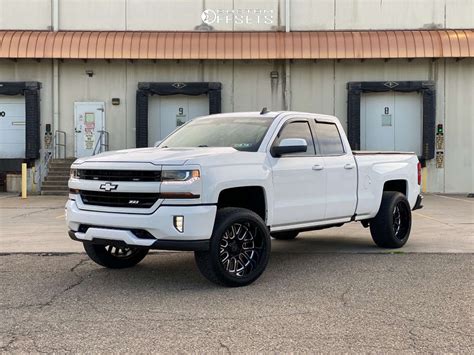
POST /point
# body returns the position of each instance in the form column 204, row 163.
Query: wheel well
column 396, row 185
column 249, row 197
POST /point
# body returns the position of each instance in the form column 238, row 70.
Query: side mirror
column 157, row 143
column 289, row 145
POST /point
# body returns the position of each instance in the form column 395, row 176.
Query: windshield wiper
column 202, row 145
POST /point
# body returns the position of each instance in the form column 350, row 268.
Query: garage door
column 165, row 113
column 12, row 127
column 391, row 121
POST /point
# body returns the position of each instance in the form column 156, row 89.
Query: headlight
column 74, row 174
column 180, row 175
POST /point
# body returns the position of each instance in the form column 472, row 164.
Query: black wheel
column 285, row 235
column 115, row 257
column 391, row 226
column 239, row 248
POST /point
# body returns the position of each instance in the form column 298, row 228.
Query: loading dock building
column 404, row 83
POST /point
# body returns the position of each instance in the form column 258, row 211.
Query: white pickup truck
column 222, row 185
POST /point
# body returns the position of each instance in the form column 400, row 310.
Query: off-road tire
column 213, row 263
column 104, row 255
column 389, row 228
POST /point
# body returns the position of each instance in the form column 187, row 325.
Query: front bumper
column 418, row 203
column 156, row 230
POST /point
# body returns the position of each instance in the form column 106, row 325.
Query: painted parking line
column 453, row 198
column 433, row 219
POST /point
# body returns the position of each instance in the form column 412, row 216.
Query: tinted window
column 329, row 138
column 241, row 133
column 298, row 130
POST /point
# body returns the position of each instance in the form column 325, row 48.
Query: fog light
column 178, row 222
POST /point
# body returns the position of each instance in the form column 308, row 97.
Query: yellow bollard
column 23, row 180
column 424, row 177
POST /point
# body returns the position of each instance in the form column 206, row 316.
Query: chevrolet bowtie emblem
column 108, row 186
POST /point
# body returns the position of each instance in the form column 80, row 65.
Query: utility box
column 13, row 182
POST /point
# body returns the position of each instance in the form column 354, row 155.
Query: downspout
column 287, row 92
column 55, row 27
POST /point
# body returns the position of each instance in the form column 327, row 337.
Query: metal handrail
column 102, row 144
column 58, row 145
column 43, row 167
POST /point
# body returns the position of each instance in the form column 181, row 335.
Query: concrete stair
column 58, row 175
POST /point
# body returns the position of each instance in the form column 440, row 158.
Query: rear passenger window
column 329, row 139
column 298, row 130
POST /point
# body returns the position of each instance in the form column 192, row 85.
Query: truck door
column 341, row 181
column 299, row 180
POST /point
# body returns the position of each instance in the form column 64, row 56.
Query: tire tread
column 381, row 225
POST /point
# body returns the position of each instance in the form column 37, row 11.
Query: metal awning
column 238, row 45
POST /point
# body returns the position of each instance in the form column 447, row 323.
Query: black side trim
column 212, row 89
column 192, row 245
column 427, row 88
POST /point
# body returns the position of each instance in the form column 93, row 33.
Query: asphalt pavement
column 306, row 302
column 326, row 291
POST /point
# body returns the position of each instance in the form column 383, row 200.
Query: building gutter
column 287, row 92
column 55, row 84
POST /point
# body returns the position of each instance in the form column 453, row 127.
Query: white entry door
column 12, row 127
column 165, row 113
column 391, row 121
column 89, row 120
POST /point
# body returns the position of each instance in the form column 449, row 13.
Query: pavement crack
column 9, row 343
column 33, row 212
column 71, row 286
column 41, row 305
column 80, row 263
column 224, row 346
column 343, row 297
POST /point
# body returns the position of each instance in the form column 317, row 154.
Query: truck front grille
column 119, row 175
column 119, row 199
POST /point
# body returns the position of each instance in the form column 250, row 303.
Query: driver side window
column 298, row 129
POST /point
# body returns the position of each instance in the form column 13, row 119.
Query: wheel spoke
column 224, row 256
column 239, row 248
column 400, row 220
column 120, row 252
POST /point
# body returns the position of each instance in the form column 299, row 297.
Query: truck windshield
column 241, row 133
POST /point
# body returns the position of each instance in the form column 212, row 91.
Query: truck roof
column 274, row 114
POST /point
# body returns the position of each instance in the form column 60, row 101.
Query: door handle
column 349, row 166
column 318, row 167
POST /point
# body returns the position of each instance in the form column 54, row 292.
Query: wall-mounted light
column 115, row 101
column 274, row 74
column 90, row 73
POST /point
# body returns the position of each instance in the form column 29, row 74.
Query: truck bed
column 376, row 167
column 377, row 152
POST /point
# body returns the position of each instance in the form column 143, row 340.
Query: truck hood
column 159, row 156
